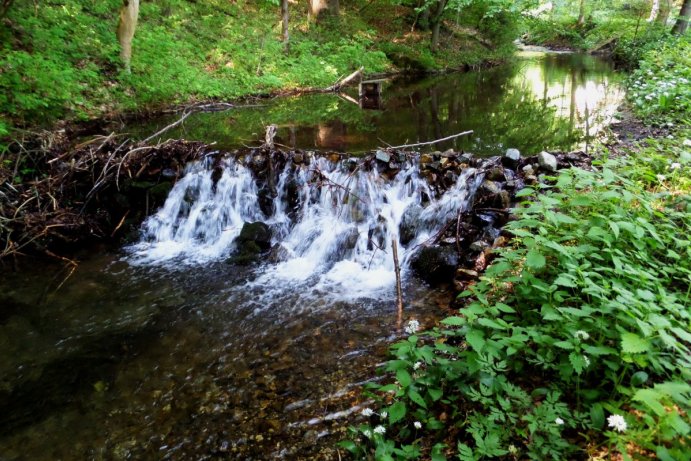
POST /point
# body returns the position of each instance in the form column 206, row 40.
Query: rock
column 466, row 158
column 277, row 254
column 435, row 264
column 266, row 201
column 449, row 153
column 531, row 179
column 410, row 223
column 350, row 238
column 383, row 156
column 425, row 159
column 479, row 245
column 466, row 274
column 298, row 158
column 256, row 232
column 504, row 199
column 528, row 169
column 513, row 154
column 169, row 173
column 489, row 187
column 547, row 161
column 495, row 174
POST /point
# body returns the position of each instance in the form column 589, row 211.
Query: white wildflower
column 582, row 334
column 380, row 430
column 617, row 422
column 367, row 433
column 367, row 412
column 417, row 365
column 586, row 360
column 675, row 166
column 384, row 414
column 687, row 143
column 559, row 422
column 661, row 177
column 412, row 327
column 417, row 424
column 648, row 97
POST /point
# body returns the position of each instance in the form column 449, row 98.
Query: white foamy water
column 336, row 225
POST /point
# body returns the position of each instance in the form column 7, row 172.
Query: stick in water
column 464, row 133
column 399, row 291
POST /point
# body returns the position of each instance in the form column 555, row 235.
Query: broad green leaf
column 633, row 344
column 651, row 399
column 454, row 321
column 396, row 412
column 535, row 260
column 403, row 378
column 417, row 398
column 476, row 339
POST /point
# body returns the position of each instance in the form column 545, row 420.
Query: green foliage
column 577, row 335
column 661, row 87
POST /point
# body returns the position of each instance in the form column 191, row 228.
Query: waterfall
column 333, row 220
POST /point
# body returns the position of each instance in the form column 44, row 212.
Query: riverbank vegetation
column 575, row 342
column 62, row 60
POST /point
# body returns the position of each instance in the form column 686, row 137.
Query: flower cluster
column 412, row 327
column 617, row 422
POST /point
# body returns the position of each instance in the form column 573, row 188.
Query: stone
column 383, row 156
column 277, row 254
column 513, row 155
column 256, row 232
column 528, row 169
column 495, row 174
column 505, row 199
column 466, row 274
column 425, row 159
column 435, row 264
column 489, row 187
column 410, row 222
column 298, row 158
column 479, row 245
column 547, row 161
column 449, row 153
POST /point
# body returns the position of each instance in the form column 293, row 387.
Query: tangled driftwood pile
column 54, row 193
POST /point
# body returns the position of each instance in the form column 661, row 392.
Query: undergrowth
column 576, row 339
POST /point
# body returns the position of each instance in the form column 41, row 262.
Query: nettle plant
column 575, row 339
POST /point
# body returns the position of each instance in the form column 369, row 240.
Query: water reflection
column 541, row 101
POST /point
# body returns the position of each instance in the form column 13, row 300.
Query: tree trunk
column 581, row 13
column 683, row 19
column 5, row 7
column 316, row 9
column 654, row 10
column 126, row 27
column 436, row 23
column 284, row 23
column 663, row 15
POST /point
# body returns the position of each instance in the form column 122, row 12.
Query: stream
column 170, row 348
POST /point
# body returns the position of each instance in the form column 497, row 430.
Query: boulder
column 547, row 161
column 513, row 154
column 435, row 264
column 383, row 156
column 410, row 223
column 257, row 233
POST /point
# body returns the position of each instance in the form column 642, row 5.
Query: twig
column 464, row 133
column 399, row 291
column 171, row 126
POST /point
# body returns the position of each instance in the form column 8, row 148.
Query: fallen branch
column 399, row 290
column 169, row 127
column 457, row 135
column 344, row 81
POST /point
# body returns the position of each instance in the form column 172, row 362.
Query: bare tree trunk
column 654, row 10
column 436, row 23
column 284, row 23
column 683, row 19
column 5, row 7
column 581, row 13
column 316, row 9
column 127, row 24
column 663, row 15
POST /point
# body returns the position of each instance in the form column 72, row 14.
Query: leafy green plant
column 576, row 336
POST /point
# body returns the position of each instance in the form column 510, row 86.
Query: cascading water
column 334, row 222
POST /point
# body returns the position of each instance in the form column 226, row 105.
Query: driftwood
column 429, row 143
